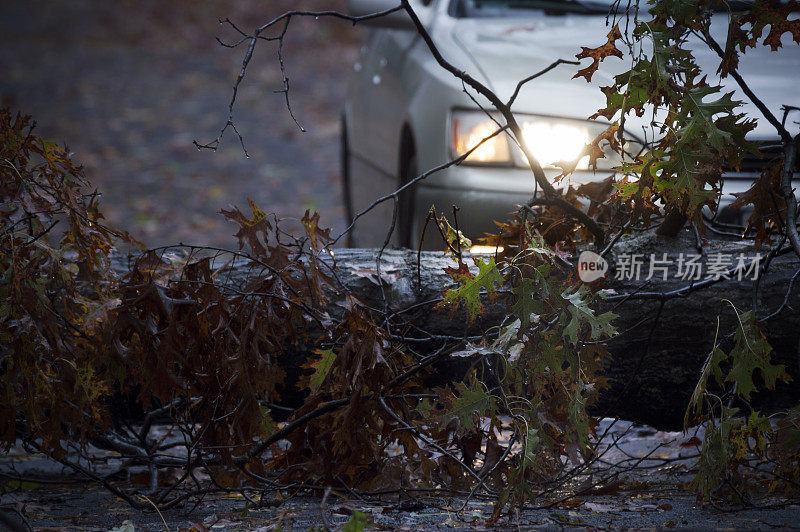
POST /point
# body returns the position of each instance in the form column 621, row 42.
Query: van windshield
column 513, row 8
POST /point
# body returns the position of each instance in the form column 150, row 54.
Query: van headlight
column 468, row 129
column 550, row 140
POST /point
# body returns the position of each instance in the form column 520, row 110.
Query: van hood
column 503, row 51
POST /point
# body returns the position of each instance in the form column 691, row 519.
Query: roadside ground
column 129, row 85
column 652, row 495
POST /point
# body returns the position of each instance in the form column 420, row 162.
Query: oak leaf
column 776, row 15
column 322, row 367
column 470, row 290
column 768, row 204
column 609, row 49
column 249, row 228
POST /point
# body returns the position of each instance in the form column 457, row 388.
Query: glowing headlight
column 551, row 142
column 549, row 139
column 469, row 129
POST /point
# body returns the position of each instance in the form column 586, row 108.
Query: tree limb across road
column 666, row 327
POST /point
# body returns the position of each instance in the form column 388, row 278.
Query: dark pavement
column 648, row 492
column 129, row 85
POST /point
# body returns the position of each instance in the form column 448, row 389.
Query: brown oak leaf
column 774, row 14
column 767, row 201
column 250, row 227
column 599, row 54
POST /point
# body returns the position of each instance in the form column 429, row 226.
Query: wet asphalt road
column 651, row 496
column 129, row 85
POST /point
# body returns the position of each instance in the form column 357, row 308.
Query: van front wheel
column 406, row 223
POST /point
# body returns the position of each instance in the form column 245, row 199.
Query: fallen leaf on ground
column 597, row 507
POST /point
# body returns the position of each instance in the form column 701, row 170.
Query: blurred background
column 128, row 85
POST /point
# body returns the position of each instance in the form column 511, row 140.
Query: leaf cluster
column 698, row 129
column 734, row 438
column 54, row 291
column 536, row 379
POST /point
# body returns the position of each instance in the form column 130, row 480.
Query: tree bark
column 663, row 341
column 672, row 224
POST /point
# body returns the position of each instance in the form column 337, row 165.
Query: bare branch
column 790, row 156
column 784, row 134
column 248, row 56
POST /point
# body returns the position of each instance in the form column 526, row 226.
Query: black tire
column 406, row 226
column 344, row 156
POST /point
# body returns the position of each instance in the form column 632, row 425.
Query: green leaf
column 472, row 401
column 425, row 408
column 711, row 366
column 268, row 424
column 528, row 305
column 751, row 352
column 577, row 428
column 356, row 523
column 531, row 450
column 714, row 463
column 581, row 313
column 470, row 290
column 698, row 127
column 507, row 335
column 755, row 430
column 321, row 367
column 455, row 238
column 787, row 437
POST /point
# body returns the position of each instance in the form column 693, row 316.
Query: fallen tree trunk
column 664, row 337
column 665, row 333
column 664, row 341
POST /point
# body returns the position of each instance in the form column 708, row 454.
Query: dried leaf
column 609, row 49
column 250, row 228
